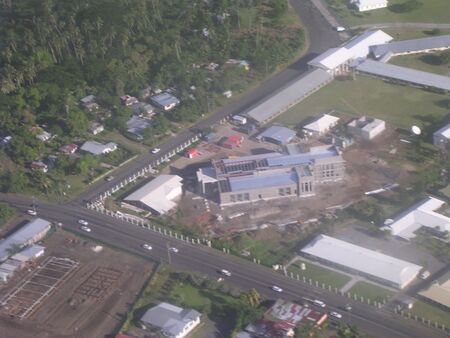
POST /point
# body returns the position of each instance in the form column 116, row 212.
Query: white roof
column 159, row 193
column 444, row 131
column 331, row 59
column 98, row 148
column 364, row 3
column 420, row 215
column 373, row 263
column 359, row 46
column 322, row 124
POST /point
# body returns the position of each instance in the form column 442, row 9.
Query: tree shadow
column 431, row 59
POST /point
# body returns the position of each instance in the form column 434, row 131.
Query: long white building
column 368, row 5
column 356, row 259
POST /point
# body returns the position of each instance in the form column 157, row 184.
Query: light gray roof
column 169, row 318
column 29, row 253
column 359, row 46
column 444, row 131
column 404, row 74
column 376, row 264
column 263, row 179
column 98, row 148
column 22, row 236
column 137, row 124
column 411, row 46
column 165, row 99
column 289, row 95
column 279, row 134
column 331, row 58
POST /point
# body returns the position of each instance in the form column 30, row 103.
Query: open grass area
column 400, row 105
column 411, row 33
column 370, row 291
column 431, row 312
column 425, row 62
column 189, row 295
column 320, row 274
column 434, row 11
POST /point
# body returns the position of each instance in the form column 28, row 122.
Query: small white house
column 366, row 127
column 97, row 148
column 321, row 125
column 368, row 5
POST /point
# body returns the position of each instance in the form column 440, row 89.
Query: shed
column 277, row 134
column 192, row 153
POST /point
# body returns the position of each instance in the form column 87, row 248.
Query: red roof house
column 233, row 141
column 68, row 148
column 192, row 153
column 39, row 165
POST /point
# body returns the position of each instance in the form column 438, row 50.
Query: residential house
column 39, row 165
column 96, row 128
column 128, row 100
column 173, row 321
column 97, row 148
column 165, row 101
column 368, row 5
column 68, row 149
column 136, row 125
column 89, row 103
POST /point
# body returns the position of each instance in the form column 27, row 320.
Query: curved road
column 245, row 275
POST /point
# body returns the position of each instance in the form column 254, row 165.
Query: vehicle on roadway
column 172, row 249
column 83, row 222
column 277, row 288
column 335, row 315
column 85, row 228
column 109, row 178
column 319, row 303
column 147, row 246
column 31, row 212
column 225, row 272
column 348, row 307
column 155, row 150
column 340, row 29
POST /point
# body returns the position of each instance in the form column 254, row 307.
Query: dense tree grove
column 52, row 53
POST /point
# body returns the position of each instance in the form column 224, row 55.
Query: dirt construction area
column 77, row 289
column 370, row 165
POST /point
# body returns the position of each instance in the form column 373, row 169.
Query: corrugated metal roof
column 22, row 236
column 279, row 134
column 444, row 131
column 289, row 95
column 404, row 74
column 408, row 46
column 359, row 46
column 263, row 180
column 331, row 59
column 376, row 264
column 299, row 159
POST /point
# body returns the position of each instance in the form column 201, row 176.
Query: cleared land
column 425, row 62
column 400, row 105
column 320, row 274
column 433, row 11
column 371, row 291
column 431, row 312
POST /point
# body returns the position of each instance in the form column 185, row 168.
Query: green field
column 189, row 295
column 426, row 62
column 412, row 33
column 433, row 11
column 320, row 274
column 400, row 105
column 431, row 312
column 370, row 291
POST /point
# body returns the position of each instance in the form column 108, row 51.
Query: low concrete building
column 441, row 138
column 97, row 148
column 159, row 195
column 356, row 259
column 173, row 321
column 369, row 5
column 277, row 134
column 366, row 127
column 321, row 125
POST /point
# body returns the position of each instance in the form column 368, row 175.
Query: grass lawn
column 402, row 106
column 320, row 274
column 370, row 291
column 431, row 312
column 425, row 62
column 189, row 296
column 411, row 33
column 434, row 11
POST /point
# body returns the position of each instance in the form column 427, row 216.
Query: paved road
column 245, row 275
column 417, row 25
column 321, row 37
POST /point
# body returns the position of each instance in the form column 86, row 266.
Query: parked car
column 147, row 246
column 277, row 288
column 335, row 315
column 172, row 249
column 225, row 272
column 83, row 222
column 32, row 212
column 340, row 29
column 85, row 228
column 109, row 178
column 156, row 150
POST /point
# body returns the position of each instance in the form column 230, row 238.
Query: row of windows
column 284, row 191
column 240, row 197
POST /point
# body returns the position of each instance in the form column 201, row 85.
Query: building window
column 260, row 196
column 232, row 198
column 281, row 191
column 288, row 191
column 246, row 196
column 239, row 197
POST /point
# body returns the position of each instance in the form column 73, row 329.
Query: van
column 239, row 119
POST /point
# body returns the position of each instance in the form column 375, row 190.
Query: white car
column 156, row 150
column 31, row 212
column 340, row 29
column 83, row 222
column 277, row 288
column 172, row 249
column 225, row 272
column 335, row 315
column 319, row 303
column 85, row 228
column 147, row 246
